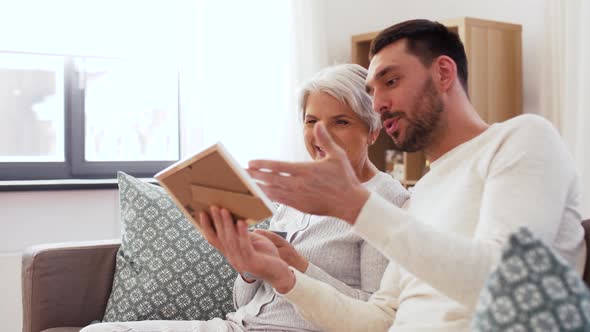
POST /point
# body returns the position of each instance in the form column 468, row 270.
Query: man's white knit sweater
column 448, row 236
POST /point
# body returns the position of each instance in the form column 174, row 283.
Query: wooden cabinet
column 494, row 58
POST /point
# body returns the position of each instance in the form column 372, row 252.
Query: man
column 485, row 181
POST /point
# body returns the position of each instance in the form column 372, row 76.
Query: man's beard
column 422, row 121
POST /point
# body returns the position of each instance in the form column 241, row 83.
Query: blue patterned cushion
column 532, row 289
column 165, row 269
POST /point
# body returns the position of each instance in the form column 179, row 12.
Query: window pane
column 131, row 111
column 31, row 108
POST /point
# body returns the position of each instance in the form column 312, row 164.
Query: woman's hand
column 245, row 251
column 286, row 250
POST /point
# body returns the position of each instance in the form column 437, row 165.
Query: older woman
column 323, row 248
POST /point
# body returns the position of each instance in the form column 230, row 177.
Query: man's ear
column 445, row 73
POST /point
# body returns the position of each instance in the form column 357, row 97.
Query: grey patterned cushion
column 165, row 269
column 532, row 289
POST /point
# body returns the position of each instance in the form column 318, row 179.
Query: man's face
column 405, row 96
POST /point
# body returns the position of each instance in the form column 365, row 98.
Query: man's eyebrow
column 385, row 70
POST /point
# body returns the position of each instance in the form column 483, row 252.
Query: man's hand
column 245, row 251
column 286, row 250
column 325, row 187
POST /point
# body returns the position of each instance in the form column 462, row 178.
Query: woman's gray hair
column 346, row 83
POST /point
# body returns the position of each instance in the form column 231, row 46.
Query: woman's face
column 345, row 127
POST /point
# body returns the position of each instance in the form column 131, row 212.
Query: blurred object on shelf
column 426, row 167
column 394, row 164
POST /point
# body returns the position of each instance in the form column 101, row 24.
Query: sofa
column 66, row 286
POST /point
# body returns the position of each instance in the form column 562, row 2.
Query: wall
column 10, row 288
column 344, row 18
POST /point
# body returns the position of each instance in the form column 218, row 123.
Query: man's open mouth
column 392, row 124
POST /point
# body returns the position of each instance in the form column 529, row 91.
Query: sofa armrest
column 66, row 284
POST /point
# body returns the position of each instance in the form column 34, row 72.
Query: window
column 88, row 88
column 116, row 65
column 86, row 117
column 32, row 112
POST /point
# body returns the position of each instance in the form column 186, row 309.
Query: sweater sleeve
column 244, row 292
column 328, row 308
column 527, row 183
column 372, row 266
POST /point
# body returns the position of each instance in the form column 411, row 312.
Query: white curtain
column 243, row 73
column 129, row 28
column 566, row 82
column 309, row 55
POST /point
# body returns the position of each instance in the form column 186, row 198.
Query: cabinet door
column 495, row 74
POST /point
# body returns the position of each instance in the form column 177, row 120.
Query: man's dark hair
column 426, row 40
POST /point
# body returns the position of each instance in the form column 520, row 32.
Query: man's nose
column 381, row 103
